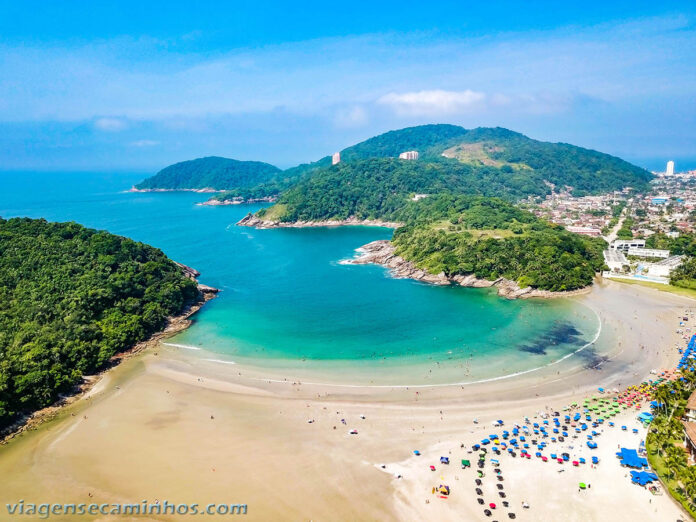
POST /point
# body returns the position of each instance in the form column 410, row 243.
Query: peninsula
column 75, row 298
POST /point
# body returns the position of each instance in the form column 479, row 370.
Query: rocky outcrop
column 207, row 292
column 237, row 201
column 383, row 253
column 205, row 190
column 251, row 220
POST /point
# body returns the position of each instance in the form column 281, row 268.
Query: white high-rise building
column 336, row 158
column 409, row 155
column 670, row 168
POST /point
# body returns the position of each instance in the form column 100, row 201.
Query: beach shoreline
column 145, row 414
column 175, row 324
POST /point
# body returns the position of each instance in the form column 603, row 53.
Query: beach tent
column 630, row 458
column 642, row 477
column 465, row 463
column 444, row 460
column 645, row 417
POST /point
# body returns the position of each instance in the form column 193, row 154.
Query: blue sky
column 140, row 85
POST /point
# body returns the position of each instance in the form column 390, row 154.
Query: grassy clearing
column 685, row 292
column 275, row 213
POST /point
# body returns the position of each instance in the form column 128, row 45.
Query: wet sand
column 177, row 427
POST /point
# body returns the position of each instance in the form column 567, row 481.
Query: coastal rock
column 207, row 290
column 250, row 220
column 189, row 272
column 382, row 252
column 236, row 201
column 205, row 190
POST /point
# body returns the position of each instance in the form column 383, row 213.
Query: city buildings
column 670, row 168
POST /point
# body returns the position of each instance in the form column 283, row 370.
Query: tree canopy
column 490, row 238
column 212, row 172
column 72, row 297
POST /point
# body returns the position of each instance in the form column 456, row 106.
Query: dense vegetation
column 683, row 244
column 71, row 298
column 626, row 230
column 211, row 172
column 428, row 140
column 664, row 442
column 483, row 155
column 379, row 188
column 587, row 171
column 490, row 238
column 685, row 275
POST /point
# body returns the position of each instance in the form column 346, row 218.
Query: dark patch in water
column 561, row 333
column 592, row 360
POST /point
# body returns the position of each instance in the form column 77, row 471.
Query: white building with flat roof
column 670, row 168
column 336, row 158
column 626, row 244
column 648, row 252
column 409, row 155
column 585, row 231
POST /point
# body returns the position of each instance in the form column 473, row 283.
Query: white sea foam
column 185, row 346
column 220, row 361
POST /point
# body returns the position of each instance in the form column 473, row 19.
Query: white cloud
column 110, row 124
column 355, row 116
column 433, row 103
column 145, row 143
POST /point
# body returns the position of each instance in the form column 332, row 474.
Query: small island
column 210, row 174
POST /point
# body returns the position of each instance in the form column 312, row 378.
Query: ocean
column 287, row 302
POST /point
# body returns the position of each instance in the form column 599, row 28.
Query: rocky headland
column 382, row 252
column 250, row 220
column 236, row 201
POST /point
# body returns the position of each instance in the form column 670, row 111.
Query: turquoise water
column 287, row 302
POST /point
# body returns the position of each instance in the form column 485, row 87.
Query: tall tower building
column 336, row 158
column 670, row 168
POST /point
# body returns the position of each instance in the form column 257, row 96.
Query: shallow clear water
column 288, row 302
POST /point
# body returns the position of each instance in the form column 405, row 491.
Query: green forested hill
column 378, row 188
column 586, row 171
column 72, row 297
column 428, row 140
column 490, row 238
column 483, row 159
column 211, row 172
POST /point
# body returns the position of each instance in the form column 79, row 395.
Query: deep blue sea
column 286, row 300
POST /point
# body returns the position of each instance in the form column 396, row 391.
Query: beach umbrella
column 491, row 505
column 582, row 485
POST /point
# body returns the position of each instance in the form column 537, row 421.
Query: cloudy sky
column 133, row 87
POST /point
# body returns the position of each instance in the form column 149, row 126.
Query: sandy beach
column 170, row 425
